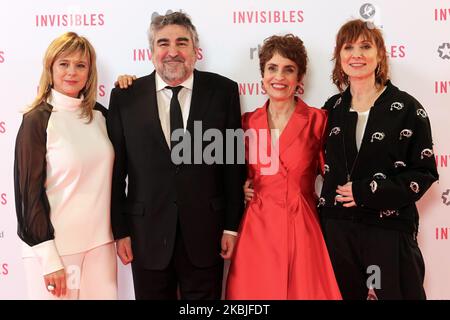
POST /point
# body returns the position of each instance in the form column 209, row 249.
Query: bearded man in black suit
column 175, row 222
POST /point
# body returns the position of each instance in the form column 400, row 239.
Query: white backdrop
column 417, row 35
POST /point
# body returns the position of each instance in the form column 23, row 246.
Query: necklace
column 349, row 172
column 374, row 98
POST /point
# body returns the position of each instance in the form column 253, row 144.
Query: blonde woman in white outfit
column 62, row 177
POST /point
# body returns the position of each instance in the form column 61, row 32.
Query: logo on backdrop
column 2, row 127
column 444, row 51
column 2, row 235
column 70, row 20
column 145, row 54
column 441, row 87
column 156, row 14
column 267, row 16
column 142, row 55
column 396, row 51
column 442, row 14
column 3, row 200
column 367, row 11
column 254, row 52
column 251, row 89
column 102, row 90
column 441, row 233
column 446, row 197
column 370, row 13
column 4, row 269
column 256, row 88
column 2, row 56
column 442, row 160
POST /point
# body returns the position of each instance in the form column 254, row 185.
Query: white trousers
column 89, row 275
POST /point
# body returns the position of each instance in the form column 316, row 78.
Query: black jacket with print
column 394, row 167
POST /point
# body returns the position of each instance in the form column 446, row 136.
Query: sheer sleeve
column 32, row 207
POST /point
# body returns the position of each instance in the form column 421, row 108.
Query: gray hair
column 177, row 18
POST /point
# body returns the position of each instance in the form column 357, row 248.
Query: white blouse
column 79, row 160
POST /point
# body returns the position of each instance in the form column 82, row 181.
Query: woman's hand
column 55, row 282
column 345, row 195
column 125, row 80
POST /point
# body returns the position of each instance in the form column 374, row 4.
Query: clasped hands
column 345, row 195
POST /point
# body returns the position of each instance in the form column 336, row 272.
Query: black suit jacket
column 206, row 199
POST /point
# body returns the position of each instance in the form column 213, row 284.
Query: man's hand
column 228, row 243
column 124, row 250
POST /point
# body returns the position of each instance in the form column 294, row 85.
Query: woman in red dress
column 281, row 253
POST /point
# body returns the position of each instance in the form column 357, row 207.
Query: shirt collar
column 161, row 84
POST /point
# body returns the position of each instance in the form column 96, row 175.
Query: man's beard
column 175, row 72
column 171, row 74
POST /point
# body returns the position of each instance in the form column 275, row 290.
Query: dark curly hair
column 288, row 46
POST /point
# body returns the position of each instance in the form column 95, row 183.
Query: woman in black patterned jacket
column 379, row 162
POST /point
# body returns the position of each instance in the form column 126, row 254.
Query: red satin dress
column 280, row 252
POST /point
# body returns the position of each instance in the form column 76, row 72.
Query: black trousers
column 181, row 279
column 363, row 256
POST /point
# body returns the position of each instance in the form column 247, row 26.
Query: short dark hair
column 288, row 46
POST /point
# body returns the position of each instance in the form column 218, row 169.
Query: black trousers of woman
column 365, row 256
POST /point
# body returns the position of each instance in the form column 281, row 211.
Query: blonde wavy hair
column 66, row 44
